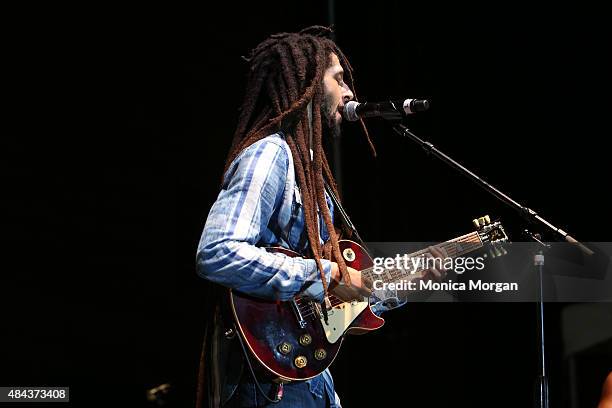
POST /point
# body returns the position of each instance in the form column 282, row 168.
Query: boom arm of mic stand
column 527, row 213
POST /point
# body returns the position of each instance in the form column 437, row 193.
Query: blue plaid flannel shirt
column 260, row 205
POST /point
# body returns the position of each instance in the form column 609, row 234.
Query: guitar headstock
column 493, row 233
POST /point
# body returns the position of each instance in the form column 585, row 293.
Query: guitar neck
column 454, row 248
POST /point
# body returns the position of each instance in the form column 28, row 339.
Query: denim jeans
column 295, row 395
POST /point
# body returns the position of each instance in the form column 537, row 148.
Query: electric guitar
column 293, row 340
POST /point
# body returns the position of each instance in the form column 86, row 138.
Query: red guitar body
column 289, row 338
column 293, row 340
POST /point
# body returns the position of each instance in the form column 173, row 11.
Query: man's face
column 336, row 94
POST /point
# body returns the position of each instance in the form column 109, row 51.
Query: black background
column 124, row 118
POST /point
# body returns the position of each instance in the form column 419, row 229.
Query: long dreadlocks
column 286, row 74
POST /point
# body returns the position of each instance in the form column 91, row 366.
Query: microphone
column 390, row 110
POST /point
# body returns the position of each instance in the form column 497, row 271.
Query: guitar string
column 472, row 240
column 451, row 248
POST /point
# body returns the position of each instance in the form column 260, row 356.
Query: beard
column 328, row 118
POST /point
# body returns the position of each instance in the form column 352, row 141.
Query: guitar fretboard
column 453, row 248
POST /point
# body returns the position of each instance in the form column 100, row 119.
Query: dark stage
column 118, row 157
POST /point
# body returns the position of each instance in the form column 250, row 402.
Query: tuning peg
column 481, row 221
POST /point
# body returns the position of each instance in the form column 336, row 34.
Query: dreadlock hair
column 286, row 74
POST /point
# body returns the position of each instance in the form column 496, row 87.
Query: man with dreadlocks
column 274, row 194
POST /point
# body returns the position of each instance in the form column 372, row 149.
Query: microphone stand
column 528, row 215
column 538, row 263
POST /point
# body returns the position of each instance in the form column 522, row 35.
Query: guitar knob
column 300, row 361
column 320, row 354
column 487, row 219
column 476, row 223
column 284, row 348
column 305, row 339
column 348, row 254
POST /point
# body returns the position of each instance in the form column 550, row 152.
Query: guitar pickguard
column 340, row 318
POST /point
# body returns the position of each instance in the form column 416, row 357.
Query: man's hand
column 436, row 257
column 360, row 285
column 437, row 274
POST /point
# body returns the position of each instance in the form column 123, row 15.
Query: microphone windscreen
column 350, row 111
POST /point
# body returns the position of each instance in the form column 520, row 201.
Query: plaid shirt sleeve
column 227, row 253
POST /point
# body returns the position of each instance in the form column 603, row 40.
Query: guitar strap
column 335, row 200
column 344, row 215
column 279, row 385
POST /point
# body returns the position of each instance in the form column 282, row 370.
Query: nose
column 347, row 94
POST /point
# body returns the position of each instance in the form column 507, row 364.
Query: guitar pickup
column 298, row 314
